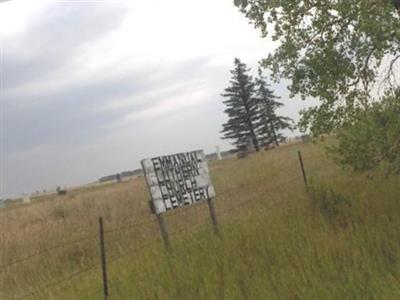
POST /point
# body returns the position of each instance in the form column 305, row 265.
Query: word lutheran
column 178, row 180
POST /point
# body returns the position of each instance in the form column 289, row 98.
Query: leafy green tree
column 345, row 53
column 270, row 125
column 373, row 139
column 242, row 108
column 337, row 51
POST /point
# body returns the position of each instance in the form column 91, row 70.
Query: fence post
column 164, row 231
column 213, row 215
column 302, row 169
column 103, row 259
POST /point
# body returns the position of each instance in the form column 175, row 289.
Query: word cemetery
column 177, row 180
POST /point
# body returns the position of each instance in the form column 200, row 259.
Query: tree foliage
column 346, row 54
column 373, row 139
column 241, row 108
column 270, row 124
column 251, row 108
column 338, row 51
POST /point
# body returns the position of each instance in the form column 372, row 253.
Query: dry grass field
column 340, row 241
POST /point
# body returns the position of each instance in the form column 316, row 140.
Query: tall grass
column 341, row 241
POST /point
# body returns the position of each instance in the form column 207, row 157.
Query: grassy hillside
column 341, row 241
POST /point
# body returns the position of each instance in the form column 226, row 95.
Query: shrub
column 333, row 206
column 372, row 139
column 60, row 212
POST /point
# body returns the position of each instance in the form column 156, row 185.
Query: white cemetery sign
column 177, row 180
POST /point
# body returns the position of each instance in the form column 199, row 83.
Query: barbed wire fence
column 100, row 260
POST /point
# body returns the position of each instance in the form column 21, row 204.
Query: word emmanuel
column 178, row 180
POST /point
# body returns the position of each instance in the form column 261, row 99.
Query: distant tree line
column 251, row 107
column 119, row 176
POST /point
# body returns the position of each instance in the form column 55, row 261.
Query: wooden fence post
column 213, row 215
column 164, row 232
column 103, row 259
column 302, row 170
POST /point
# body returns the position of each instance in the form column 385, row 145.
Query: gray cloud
column 75, row 131
column 73, row 115
column 54, row 118
column 54, row 37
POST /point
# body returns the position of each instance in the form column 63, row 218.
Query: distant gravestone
column 218, row 151
column 26, row 198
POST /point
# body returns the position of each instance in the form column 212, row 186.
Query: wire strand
column 57, row 282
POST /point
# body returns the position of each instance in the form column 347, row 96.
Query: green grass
column 341, row 241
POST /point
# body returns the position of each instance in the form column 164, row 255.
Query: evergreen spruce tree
column 242, row 108
column 270, row 124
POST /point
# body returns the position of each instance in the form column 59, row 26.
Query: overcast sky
column 88, row 88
